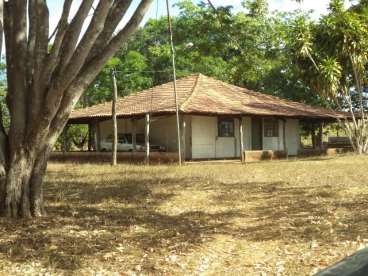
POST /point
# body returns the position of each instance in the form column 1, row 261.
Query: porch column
column 90, row 137
column 320, row 136
column 313, row 135
column 98, row 136
column 241, row 139
column 134, row 134
column 147, row 136
column 183, row 139
column 284, row 137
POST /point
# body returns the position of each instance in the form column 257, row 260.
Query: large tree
column 333, row 58
column 46, row 77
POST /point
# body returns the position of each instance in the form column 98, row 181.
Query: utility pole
column 114, row 120
column 174, row 79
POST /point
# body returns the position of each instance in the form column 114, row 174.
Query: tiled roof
column 199, row 94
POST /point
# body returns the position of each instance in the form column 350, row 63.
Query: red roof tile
column 198, row 94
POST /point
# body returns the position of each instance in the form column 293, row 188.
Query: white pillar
column 147, row 136
column 114, row 121
column 284, row 137
column 183, row 138
column 241, row 139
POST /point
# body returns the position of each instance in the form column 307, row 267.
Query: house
column 217, row 120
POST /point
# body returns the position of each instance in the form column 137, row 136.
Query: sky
column 319, row 7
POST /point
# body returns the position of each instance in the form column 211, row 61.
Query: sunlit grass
column 288, row 217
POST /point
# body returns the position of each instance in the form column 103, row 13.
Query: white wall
column 274, row 143
column 201, row 133
column 292, row 136
column 204, row 132
column 292, row 133
column 207, row 144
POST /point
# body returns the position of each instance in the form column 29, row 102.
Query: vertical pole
column 114, row 120
column 184, row 138
column 174, row 79
column 89, row 136
column 98, row 136
column 284, row 138
column 313, row 135
column 320, row 135
column 134, row 134
column 241, row 139
column 147, row 136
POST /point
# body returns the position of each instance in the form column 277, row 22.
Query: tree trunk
column 36, row 183
column 17, row 197
column 45, row 83
column 21, row 192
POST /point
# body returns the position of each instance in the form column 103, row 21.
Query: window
column 271, row 127
column 226, row 127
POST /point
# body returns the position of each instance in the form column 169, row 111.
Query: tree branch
column 52, row 58
column 84, row 47
column 116, row 13
column 92, row 68
column 73, row 32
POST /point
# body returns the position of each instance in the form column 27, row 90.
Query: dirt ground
column 268, row 218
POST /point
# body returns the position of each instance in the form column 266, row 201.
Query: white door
column 225, row 147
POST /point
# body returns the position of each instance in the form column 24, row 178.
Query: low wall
column 323, row 152
column 261, row 155
column 105, row 157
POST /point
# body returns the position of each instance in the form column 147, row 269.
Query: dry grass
column 275, row 218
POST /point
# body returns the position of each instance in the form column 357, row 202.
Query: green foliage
column 256, row 7
column 280, row 53
column 130, row 67
column 332, row 54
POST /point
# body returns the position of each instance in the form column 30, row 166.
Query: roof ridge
column 186, row 102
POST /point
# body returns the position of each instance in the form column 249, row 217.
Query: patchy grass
column 282, row 217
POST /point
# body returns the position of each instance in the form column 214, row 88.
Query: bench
column 338, row 142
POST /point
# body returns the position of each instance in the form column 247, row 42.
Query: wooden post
column 134, row 134
column 90, row 137
column 183, row 135
column 313, row 135
column 174, row 79
column 114, row 121
column 241, row 139
column 147, row 138
column 98, row 136
column 284, row 138
column 320, row 136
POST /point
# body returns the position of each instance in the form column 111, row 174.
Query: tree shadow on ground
column 82, row 222
column 287, row 212
column 123, row 217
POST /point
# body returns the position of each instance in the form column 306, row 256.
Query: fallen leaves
column 273, row 218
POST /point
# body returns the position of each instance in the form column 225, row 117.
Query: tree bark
column 45, row 83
